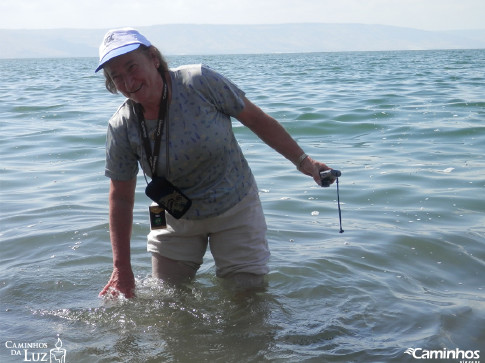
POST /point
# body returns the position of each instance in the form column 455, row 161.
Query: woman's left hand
column 313, row 168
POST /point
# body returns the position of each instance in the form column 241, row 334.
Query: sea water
column 408, row 274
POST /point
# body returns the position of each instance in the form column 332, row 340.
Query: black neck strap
column 152, row 156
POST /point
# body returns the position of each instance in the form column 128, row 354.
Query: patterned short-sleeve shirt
column 205, row 160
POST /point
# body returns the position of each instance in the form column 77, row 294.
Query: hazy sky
column 420, row 14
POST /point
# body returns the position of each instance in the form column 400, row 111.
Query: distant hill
column 234, row 39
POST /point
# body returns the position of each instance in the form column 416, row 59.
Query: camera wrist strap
column 152, row 157
column 339, row 210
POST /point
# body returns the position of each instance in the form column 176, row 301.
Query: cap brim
column 116, row 53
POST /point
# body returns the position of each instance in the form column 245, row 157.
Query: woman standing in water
column 176, row 123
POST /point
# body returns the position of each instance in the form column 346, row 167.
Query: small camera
column 328, row 176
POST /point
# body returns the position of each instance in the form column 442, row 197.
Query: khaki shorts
column 236, row 238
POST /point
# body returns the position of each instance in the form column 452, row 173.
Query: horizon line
column 245, row 24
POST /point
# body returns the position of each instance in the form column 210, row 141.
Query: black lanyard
column 152, row 157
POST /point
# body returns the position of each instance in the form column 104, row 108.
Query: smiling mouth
column 135, row 91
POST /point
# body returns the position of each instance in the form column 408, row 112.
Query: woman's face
column 135, row 75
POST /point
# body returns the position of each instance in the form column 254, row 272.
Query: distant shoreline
column 196, row 39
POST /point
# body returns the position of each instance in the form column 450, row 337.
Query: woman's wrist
column 300, row 161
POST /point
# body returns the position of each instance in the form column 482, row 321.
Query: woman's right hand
column 121, row 281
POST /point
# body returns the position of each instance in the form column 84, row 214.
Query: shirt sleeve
column 223, row 94
column 121, row 160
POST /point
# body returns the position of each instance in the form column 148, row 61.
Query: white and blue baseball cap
column 117, row 42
